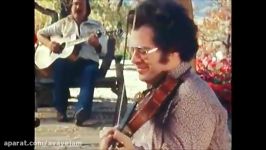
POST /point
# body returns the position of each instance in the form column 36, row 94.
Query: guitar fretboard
column 78, row 41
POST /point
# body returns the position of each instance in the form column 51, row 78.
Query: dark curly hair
column 172, row 27
column 88, row 10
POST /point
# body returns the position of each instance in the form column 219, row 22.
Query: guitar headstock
column 98, row 33
column 116, row 32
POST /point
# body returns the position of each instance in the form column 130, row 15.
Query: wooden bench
column 115, row 83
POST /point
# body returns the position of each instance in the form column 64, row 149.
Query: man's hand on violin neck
column 110, row 134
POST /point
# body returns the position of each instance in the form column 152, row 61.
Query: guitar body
column 44, row 57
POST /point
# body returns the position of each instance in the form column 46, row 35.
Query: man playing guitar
column 83, row 61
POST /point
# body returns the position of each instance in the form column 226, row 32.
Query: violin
column 146, row 106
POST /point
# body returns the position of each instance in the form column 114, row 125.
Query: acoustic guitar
column 44, row 57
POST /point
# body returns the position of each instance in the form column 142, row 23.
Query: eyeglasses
column 142, row 50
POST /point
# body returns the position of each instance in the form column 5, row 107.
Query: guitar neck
column 78, row 41
column 83, row 39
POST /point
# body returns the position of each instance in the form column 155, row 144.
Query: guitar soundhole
column 62, row 46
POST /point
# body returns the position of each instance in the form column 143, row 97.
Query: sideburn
column 164, row 59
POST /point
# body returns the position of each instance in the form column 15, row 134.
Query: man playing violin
column 162, row 44
column 86, row 56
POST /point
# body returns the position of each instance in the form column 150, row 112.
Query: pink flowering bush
column 218, row 75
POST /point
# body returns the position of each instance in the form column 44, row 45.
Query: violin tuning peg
column 138, row 96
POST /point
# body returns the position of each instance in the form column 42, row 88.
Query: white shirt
column 67, row 28
column 143, row 136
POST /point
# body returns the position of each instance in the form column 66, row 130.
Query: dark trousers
column 64, row 71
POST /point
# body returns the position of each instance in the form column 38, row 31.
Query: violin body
column 148, row 106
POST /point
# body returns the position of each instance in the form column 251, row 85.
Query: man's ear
column 174, row 59
column 175, row 56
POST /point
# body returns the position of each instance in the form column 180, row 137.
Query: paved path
column 54, row 135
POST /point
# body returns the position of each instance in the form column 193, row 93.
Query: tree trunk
column 47, row 11
column 119, row 5
column 65, row 6
column 227, row 44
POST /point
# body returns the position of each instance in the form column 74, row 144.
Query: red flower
column 218, row 76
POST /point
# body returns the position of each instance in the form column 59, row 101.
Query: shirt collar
column 181, row 69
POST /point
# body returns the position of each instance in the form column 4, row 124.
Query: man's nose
column 135, row 58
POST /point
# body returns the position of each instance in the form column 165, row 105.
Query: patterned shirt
column 194, row 119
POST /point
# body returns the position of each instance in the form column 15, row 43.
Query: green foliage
column 42, row 20
column 107, row 14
